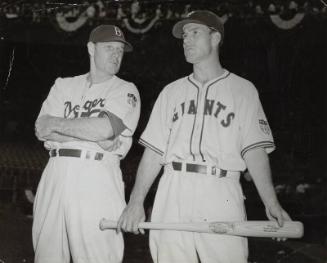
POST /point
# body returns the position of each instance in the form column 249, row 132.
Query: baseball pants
column 72, row 197
column 193, row 197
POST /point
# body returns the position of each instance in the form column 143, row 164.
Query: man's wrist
column 271, row 203
column 136, row 201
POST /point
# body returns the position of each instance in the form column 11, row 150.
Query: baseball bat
column 290, row 229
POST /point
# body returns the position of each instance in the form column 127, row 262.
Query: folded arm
column 89, row 129
column 56, row 137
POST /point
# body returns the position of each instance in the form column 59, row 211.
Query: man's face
column 196, row 42
column 108, row 56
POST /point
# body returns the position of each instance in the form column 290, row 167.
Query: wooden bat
column 290, row 229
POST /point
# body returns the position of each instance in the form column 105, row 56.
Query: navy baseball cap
column 109, row 33
column 202, row 17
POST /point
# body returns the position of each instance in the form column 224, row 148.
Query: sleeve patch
column 131, row 99
column 264, row 126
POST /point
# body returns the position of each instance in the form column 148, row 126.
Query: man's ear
column 216, row 38
column 90, row 48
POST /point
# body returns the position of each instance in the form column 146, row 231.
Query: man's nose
column 186, row 40
column 115, row 54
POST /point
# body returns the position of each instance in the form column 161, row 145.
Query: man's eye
column 120, row 51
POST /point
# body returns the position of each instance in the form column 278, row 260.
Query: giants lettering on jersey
column 211, row 108
column 89, row 108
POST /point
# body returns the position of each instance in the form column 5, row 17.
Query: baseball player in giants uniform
column 87, row 123
column 204, row 129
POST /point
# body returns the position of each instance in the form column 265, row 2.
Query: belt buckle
column 91, row 155
column 218, row 172
column 97, row 156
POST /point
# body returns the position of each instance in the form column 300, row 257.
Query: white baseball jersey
column 75, row 193
column 216, row 123
column 211, row 125
column 75, row 98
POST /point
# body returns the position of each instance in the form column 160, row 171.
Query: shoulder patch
column 264, row 126
column 131, row 99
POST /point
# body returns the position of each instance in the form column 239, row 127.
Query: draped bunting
column 139, row 17
column 287, row 24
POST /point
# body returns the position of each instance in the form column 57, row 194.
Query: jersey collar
column 222, row 76
column 87, row 77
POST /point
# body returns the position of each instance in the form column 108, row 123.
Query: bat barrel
column 290, row 229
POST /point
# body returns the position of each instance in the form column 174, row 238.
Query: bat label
column 221, row 228
column 270, row 228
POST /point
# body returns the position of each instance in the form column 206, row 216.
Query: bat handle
column 104, row 224
column 110, row 224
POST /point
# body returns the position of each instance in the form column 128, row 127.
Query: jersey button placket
column 199, row 120
column 203, row 101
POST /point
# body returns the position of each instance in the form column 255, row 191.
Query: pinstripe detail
column 203, row 120
column 197, row 103
column 262, row 144
column 202, row 128
column 148, row 145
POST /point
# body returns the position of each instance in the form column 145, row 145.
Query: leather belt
column 76, row 153
column 199, row 168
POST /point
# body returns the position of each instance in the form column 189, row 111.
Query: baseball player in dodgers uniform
column 87, row 123
column 204, row 129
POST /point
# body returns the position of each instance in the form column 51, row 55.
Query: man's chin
column 189, row 59
column 113, row 71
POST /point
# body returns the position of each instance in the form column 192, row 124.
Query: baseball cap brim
column 178, row 27
column 127, row 48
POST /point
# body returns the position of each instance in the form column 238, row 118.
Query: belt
column 199, row 168
column 76, row 153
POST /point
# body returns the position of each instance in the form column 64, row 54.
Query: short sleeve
column 125, row 103
column 53, row 104
column 255, row 130
column 155, row 136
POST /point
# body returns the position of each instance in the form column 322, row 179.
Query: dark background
column 288, row 67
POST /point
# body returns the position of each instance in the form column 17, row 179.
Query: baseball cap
column 202, row 17
column 109, row 33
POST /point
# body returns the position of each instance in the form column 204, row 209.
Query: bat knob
column 101, row 224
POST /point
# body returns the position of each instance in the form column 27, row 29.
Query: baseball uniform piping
column 207, row 91
column 263, row 144
column 148, row 145
column 203, row 120
column 197, row 104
